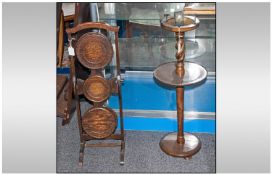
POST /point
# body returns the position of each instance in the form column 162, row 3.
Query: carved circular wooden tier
column 170, row 146
column 190, row 23
column 166, row 74
column 94, row 50
column 96, row 88
column 99, row 122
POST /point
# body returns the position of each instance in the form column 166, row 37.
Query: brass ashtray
column 99, row 122
column 94, row 50
column 96, row 89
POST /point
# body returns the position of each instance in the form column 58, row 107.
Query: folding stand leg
column 81, row 152
column 67, row 119
column 69, row 97
column 122, row 153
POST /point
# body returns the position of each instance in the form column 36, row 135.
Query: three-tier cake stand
column 178, row 74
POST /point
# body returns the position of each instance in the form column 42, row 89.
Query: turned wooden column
column 180, row 46
column 180, row 115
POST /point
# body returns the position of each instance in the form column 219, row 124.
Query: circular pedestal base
column 186, row 150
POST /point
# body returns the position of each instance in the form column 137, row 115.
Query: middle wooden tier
column 166, row 74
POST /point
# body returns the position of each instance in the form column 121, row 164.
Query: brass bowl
column 96, row 88
column 94, row 50
column 99, row 122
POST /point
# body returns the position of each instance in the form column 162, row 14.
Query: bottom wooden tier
column 170, row 146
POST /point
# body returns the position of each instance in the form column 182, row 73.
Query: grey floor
column 142, row 154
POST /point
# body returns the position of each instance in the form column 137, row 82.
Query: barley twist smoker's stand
column 179, row 74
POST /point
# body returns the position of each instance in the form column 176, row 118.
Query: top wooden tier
column 190, row 23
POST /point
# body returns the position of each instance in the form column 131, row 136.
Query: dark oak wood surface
column 178, row 144
column 94, row 51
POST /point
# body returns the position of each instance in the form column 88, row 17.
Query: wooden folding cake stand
column 94, row 51
column 179, row 74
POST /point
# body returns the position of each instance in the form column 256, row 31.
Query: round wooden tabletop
column 166, row 74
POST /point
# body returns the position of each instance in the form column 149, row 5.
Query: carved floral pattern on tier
column 94, row 50
column 99, row 122
column 96, row 89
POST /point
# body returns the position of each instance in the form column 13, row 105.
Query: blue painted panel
column 146, row 94
column 167, row 124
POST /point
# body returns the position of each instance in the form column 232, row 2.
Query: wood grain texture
column 96, row 89
column 99, row 122
column 60, row 49
column 94, row 50
column 92, row 25
column 178, row 144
